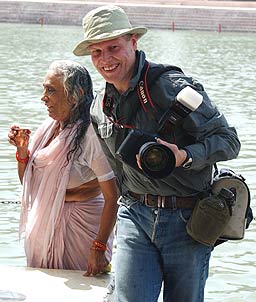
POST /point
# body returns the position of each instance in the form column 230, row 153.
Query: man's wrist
column 188, row 161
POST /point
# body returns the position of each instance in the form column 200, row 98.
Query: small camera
column 157, row 160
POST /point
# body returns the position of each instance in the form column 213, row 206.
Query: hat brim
column 82, row 48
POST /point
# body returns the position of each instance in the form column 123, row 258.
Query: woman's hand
column 19, row 137
column 97, row 263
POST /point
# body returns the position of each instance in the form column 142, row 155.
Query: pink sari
column 45, row 214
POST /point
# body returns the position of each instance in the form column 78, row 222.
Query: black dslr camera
column 157, row 160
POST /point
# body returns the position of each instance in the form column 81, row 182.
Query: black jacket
column 204, row 132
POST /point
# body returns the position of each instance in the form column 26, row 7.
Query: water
column 225, row 63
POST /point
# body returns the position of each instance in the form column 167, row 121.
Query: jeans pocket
column 185, row 214
column 127, row 202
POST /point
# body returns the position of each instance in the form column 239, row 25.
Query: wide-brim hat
column 105, row 23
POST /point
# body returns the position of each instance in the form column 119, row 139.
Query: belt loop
column 144, row 199
column 159, row 201
column 174, row 202
column 163, row 201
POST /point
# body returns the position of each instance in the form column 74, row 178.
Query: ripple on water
column 225, row 63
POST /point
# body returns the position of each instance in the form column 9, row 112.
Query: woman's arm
column 97, row 261
column 22, row 157
column 108, row 217
column 20, row 138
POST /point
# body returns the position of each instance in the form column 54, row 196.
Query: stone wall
column 168, row 17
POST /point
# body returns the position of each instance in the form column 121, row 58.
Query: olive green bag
column 222, row 216
column 210, row 217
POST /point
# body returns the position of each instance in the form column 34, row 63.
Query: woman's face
column 55, row 98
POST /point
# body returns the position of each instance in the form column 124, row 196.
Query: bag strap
column 147, row 78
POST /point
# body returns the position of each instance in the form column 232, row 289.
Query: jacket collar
column 139, row 63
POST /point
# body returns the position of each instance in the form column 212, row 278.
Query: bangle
column 22, row 160
column 98, row 245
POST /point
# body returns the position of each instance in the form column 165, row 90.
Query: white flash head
column 187, row 100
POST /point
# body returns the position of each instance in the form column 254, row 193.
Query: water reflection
column 225, row 63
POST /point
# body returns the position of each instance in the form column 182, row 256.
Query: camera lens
column 157, row 160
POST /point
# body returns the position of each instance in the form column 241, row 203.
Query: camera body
column 157, row 160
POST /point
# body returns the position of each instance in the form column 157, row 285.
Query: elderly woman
column 69, row 192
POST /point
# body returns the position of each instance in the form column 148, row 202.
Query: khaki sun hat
column 105, row 23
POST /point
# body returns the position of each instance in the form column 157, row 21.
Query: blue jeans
column 153, row 247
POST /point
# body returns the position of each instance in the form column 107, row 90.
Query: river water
column 224, row 62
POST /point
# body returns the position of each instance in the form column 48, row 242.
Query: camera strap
column 147, row 78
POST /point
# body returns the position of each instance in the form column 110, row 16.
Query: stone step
column 180, row 17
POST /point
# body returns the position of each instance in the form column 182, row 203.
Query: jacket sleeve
column 213, row 139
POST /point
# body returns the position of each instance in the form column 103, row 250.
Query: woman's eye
column 50, row 90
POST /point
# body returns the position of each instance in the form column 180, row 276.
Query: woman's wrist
column 21, row 158
column 98, row 245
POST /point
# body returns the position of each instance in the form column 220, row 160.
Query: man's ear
column 134, row 40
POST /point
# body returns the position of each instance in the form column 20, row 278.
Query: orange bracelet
column 98, row 245
column 22, row 160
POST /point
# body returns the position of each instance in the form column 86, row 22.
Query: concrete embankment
column 174, row 15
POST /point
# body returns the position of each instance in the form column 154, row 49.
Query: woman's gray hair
column 78, row 88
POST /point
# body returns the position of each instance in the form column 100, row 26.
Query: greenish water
column 225, row 63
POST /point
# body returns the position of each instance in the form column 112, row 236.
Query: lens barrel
column 157, row 160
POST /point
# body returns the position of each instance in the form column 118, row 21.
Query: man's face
column 115, row 60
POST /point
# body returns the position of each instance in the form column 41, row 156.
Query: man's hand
column 180, row 154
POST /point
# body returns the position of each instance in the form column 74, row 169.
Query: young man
column 152, row 242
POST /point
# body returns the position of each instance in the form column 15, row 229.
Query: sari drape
column 43, row 195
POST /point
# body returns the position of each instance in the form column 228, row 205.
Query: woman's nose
column 44, row 97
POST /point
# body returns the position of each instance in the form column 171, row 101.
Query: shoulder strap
column 147, row 78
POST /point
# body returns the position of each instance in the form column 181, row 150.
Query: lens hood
column 157, row 160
